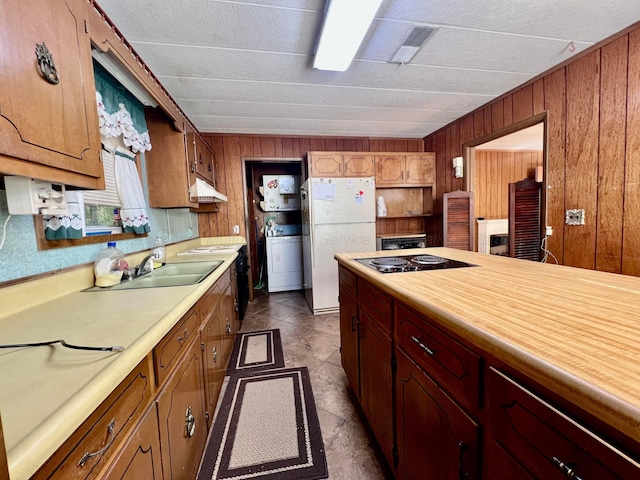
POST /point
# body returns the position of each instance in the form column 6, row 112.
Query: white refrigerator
column 338, row 216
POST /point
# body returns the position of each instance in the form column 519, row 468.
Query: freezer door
column 342, row 200
column 326, row 241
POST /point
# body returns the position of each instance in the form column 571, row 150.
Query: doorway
column 494, row 163
column 259, row 215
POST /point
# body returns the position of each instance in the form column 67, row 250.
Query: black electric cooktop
column 411, row 263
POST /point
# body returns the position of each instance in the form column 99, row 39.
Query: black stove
column 411, row 263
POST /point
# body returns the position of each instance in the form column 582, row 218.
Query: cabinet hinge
column 395, row 455
column 202, row 346
column 394, row 364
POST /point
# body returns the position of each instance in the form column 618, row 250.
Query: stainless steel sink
column 170, row 275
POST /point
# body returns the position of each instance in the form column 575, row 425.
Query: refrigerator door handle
column 313, row 249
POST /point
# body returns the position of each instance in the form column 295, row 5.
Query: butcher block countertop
column 575, row 331
column 47, row 392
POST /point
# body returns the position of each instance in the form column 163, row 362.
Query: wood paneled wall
column 230, row 149
column 592, row 107
column 494, row 171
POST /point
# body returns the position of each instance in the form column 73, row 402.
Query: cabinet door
column 435, row 438
column 183, row 429
column 375, row 382
column 204, row 160
column 349, row 340
column 390, row 170
column 53, row 125
column 357, row 165
column 227, row 324
column 140, row 457
column 325, row 164
column 214, row 370
column 235, row 314
column 420, row 169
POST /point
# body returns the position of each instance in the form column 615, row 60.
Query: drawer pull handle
column 566, row 469
column 190, row 423
column 182, row 339
column 462, row 475
column 426, row 349
column 110, row 428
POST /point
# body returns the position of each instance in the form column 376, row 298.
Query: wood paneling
column 495, row 170
column 613, row 86
column 592, row 107
column 631, row 221
column 583, row 99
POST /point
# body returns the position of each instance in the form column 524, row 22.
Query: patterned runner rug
column 256, row 351
column 267, row 429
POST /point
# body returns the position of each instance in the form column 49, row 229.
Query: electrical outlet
column 236, row 229
column 549, row 231
column 574, row 216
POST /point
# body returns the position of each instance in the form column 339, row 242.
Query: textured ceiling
column 245, row 66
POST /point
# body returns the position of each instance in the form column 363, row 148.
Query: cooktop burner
column 411, row 263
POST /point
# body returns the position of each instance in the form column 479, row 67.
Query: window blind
column 109, row 196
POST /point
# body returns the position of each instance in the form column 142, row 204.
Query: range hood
column 202, row 192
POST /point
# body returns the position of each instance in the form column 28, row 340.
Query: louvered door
column 525, row 206
column 457, row 220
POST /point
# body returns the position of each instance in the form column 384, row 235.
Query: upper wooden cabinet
column 339, row 164
column 48, row 121
column 204, row 158
column 412, row 169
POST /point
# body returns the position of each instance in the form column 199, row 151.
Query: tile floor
column 314, row 341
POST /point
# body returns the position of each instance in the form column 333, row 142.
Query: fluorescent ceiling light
column 345, row 24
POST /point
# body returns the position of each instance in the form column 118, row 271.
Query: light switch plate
column 575, row 216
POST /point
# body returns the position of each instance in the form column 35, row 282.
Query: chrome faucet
column 140, row 269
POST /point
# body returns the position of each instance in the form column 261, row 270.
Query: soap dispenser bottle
column 159, row 252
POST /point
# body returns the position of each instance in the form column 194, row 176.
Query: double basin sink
column 169, row 275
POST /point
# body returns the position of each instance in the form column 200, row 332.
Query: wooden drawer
column 210, row 299
column 453, row 366
column 99, row 437
column 348, row 282
column 546, row 442
column 171, row 347
column 376, row 304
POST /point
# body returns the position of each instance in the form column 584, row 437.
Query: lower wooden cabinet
column 376, row 392
column 349, row 340
column 183, row 428
column 435, row 438
column 140, row 457
column 549, row 444
column 214, row 362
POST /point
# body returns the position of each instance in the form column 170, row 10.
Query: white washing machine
column 284, row 263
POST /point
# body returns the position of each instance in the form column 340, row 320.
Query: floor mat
column 267, row 428
column 256, row 351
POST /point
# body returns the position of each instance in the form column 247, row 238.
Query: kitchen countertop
column 575, row 331
column 47, row 392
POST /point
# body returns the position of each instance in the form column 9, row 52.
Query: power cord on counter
column 115, row 348
column 547, row 253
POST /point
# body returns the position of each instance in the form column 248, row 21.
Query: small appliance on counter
column 280, row 192
column 393, row 241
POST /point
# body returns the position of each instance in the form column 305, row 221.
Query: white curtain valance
column 120, row 123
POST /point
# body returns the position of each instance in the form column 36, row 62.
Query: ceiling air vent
column 417, row 36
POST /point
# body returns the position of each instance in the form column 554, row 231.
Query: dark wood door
column 140, row 457
column 349, row 340
column 183, row 429
column 436, row 440
column 376, row 390
column 457, row 220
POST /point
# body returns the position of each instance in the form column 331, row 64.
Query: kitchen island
column 520, row 356
column 48, row 392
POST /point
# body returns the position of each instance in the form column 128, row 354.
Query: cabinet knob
column 110, row 432
column 214, row 353
column 228, row 327
column 190, row 423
